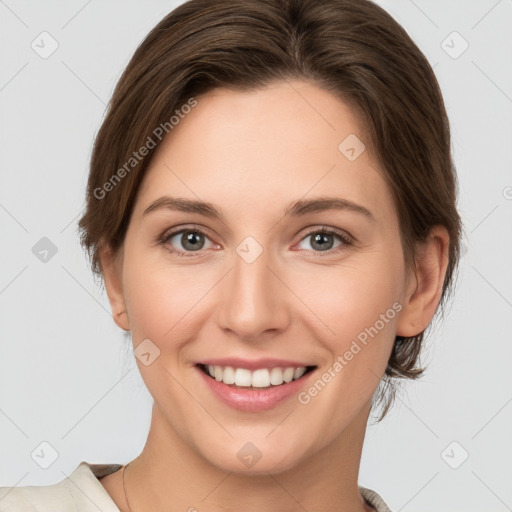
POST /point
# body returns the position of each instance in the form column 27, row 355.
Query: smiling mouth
column 263, row 378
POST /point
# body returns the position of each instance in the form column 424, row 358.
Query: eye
column 323, row 239
column 191, row 240
column 187, row 241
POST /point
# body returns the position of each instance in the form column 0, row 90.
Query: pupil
column 323, row 240
column 192, row 238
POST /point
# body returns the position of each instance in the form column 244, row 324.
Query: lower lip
column 254, row 399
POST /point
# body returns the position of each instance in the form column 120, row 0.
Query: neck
column 170, row 475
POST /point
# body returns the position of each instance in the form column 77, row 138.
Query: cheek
column 165, row 304
column 351, row 296
column 355, row 308
column 162, row 299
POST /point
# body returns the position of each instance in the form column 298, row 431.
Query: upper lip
column 253, row 364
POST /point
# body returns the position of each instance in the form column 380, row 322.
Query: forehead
column 260, row 149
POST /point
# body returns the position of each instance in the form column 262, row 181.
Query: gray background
column 66, row 376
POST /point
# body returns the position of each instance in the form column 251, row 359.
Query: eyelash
column 347, row 241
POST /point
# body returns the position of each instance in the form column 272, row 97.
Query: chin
column 258, row 457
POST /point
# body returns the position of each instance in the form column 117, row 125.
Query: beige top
column 81, row 491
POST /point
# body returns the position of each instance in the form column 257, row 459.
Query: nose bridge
column 252, row 301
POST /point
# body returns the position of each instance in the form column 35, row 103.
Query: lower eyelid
column 168, row 236
column 344, row 239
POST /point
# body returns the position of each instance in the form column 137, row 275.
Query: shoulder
column 373, row 499
column 81, row 491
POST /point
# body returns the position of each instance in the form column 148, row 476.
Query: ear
column 426, row 285
column 112, row 270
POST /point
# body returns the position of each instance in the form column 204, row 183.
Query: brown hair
column 353, row 48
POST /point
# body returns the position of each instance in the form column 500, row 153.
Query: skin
column 251, row 154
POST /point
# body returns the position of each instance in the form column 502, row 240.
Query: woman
column 271, row 205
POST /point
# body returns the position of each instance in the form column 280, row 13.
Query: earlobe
column 423, row 295
column 111, row 267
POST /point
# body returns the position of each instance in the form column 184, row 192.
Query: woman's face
column 273, row 275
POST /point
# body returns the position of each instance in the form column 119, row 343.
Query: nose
column 253, row 301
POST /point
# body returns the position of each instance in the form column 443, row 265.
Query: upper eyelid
column 342, row 234
column 176, row 231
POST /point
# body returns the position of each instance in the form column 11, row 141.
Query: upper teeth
column 260, row 378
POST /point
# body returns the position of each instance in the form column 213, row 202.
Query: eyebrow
column 295, row 209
